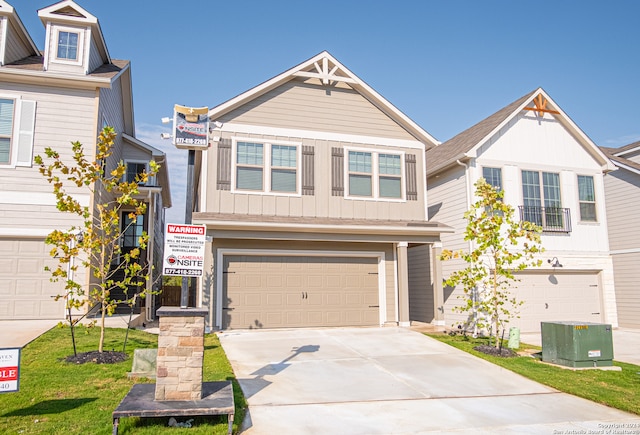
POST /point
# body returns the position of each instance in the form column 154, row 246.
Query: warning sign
column 183, row 250
column 9, row 370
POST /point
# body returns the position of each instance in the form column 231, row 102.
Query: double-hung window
column 587, row 198
column 67, row 45
column 131, row 232
column 374, row 175
column 267, row 167
column 6, row 129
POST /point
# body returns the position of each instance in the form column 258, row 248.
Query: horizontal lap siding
column 298, row 105
column 627, row 289
column 447, row 205
column 15, row 48
column 622, row 188
column 62, row 116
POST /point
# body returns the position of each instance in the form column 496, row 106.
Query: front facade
column 552, row 174
column 313, row 195
column 66, row 93
column 622, row 188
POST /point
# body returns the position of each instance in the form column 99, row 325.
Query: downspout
column 475, row 290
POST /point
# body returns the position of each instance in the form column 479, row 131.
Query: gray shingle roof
column 610, row 152
column 448, row 152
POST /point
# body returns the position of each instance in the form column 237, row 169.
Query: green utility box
column 577, row 344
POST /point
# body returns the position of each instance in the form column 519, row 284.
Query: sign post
column 184, row 247
column 9, row 370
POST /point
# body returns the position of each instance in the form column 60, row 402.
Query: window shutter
column 337, row 172
column 224, row 165
column 25, row 133
column 412, row 179
column 308, row 174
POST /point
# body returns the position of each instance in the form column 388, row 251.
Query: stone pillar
column 403, row 285
column 180, row 353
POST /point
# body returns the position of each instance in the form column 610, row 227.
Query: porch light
column 554, row 262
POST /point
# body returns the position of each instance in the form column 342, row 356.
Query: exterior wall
column 322, row 203
column 63, row 66
column 447, row 204
column 62, row 116
column 15, row 49
column 307, row 106
column 95, row 60
column 207, row 296
column 623, row 199
column 421, row 306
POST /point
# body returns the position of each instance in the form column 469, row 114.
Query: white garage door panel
column 290, row 291
column 25, row 288
column 557, row 297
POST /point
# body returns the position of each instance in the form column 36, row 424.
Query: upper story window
column 67, row 45
column 587, row 198
column 374, row 175
column 6, row 129
column 267, row 167
column 493, row 176
column 131, row 231
column 542, row 203
column 134, row 169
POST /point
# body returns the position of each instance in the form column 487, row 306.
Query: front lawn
column 57, row 397
column 617, row 389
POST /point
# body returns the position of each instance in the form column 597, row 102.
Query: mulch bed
column 97, row 357
column 491, row 350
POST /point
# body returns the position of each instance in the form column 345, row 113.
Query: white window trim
column 375, row 175
column 15, row 131
column 595, row 201
column 266, row 166
column 81, row 40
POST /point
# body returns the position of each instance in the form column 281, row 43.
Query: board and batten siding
column 317, row 203
column 62, row 116
column 421, row 289
column 306, row 106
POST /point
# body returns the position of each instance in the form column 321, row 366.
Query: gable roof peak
column 327, row 69
column 66, row 10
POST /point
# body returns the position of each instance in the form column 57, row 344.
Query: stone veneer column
column 180, row 353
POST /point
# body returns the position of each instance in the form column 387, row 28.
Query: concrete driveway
column 392, row 381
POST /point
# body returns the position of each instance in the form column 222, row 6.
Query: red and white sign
column 9, row 370
column 183, row 250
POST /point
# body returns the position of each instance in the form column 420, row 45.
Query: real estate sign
column 9, row 370
column 183, row 250
column 190, row 127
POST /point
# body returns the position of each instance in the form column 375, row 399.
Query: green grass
column 56, row 397
column 617, row 389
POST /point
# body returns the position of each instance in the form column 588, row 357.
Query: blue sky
column 445, row 64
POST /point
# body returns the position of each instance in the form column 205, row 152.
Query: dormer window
column 67, row 45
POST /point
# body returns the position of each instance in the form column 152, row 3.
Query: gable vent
column 68, row 12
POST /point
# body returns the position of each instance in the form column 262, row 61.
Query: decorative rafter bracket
column 541, row 106
column 326, row 72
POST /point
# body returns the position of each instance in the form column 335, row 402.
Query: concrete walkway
column 392, row 381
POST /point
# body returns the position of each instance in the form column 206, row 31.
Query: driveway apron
column 392, row 381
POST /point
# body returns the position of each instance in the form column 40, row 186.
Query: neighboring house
column 66, row 93
column 552, row 174
column 622, row 188
column 314, row 195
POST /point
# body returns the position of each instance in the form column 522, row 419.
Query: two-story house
column 622, row 188
column 66, row 93
column 314, row 194
column 552, row 174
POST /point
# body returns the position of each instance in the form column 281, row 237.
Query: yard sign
column 183, row 250
column 9, row 370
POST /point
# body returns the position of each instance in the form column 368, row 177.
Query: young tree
column 500, row 246
column 95, row 243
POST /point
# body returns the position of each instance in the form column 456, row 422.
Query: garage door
column 557, row 297
column 291, row 291
column 25, row 289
